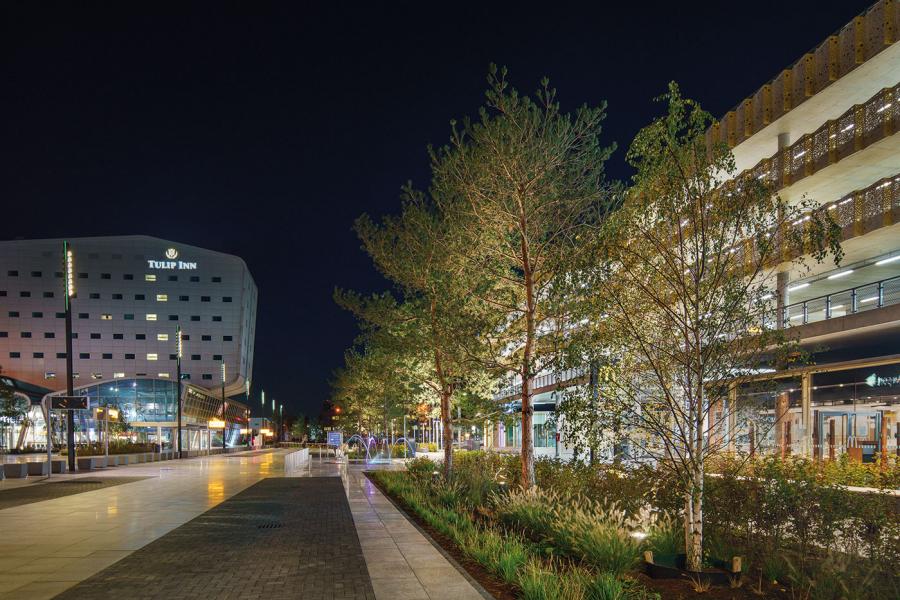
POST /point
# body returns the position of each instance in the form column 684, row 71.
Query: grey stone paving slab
column 39, row 492
column 280, row 538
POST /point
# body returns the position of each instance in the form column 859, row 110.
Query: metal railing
column 846, row 302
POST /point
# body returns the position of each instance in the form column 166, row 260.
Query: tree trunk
column 693, row 523
column 528, row 480
column 447, row 433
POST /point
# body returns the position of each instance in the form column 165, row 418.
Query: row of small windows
column 161, row 337
column 52, row 375
column 125, row 276
column 96, row 296
column 109, row 317
column 109, row 356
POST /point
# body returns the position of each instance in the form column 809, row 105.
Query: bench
column 37, row 468
column 89, row 463
column 15, row 470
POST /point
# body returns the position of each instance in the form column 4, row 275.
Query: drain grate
column 270, row 525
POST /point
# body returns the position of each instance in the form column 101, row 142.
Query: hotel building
column 825, row 128
column 132, row 294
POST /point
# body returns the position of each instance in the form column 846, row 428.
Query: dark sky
column 263, row 129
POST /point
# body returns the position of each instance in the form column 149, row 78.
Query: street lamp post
column 224, row 408
column 180, row 350
column 69, row 261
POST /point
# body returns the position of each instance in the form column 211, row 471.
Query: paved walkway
column 50, row 546
column 280, row 538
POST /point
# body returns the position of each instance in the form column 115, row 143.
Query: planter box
column 668, row 566
column 15, row 470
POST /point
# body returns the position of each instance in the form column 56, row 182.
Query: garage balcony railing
column 846, row 302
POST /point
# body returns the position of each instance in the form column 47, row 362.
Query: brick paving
column 38, row 492
column 280, row 538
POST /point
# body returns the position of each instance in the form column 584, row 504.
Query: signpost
column 336, row 439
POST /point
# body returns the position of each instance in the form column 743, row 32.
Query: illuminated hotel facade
column 132, row 295
column 825, row 128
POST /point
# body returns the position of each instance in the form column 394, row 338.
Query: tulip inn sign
column 171, row 254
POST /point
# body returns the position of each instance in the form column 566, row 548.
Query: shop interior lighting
column 841, row 274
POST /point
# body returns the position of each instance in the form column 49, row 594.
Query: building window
column 118, row 375
column 12, row 273
column 106, row 317
column 217, row 318
column 195, row 357
column 195, row 317
column 105, row 276
column 37, row 355
column 129, row 357
column 162, row 337
column 195, row 279
column 82, row 276
column 118, row 336
column 36, row 273
column 204, row 298
column 25, row 334
column 226, row 299
column 151, row 317
column 60, row 315
column 117, row 296
column 95, row 336
column 162, row 297
column 107, row 356
column 151, row 356
column 217, row 357
column 185, row 375
column 139, row 297
column 207, row 376
column 49, row 335
column 186, row 337
column 48, row 294
column 173, row 277
column 217, row 280
column 226, row 338
column 94, row 296
column 128, row 277
column 149, row 277
column 140, row 336
column 129, row 317
column 173, row 357
column 173, row 317
column 84, row 316
column 74, row 335
column 163, row 375
column 96, row 375
column 183, row 298
column 24, row 294
column 4, row 334
column 84, row 355
column 14, row 355
column 38, row 315
column 2, row 293
column 49, row 375
column 60, row 355
column 206, row 338
column 13, row 313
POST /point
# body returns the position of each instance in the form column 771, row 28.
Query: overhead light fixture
column 799, row 286
column 841, row 274
column 869, row 299
column 886, row 261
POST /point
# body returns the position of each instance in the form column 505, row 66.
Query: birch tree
column 681, row 301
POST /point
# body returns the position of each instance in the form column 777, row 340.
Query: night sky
column 264, row 129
